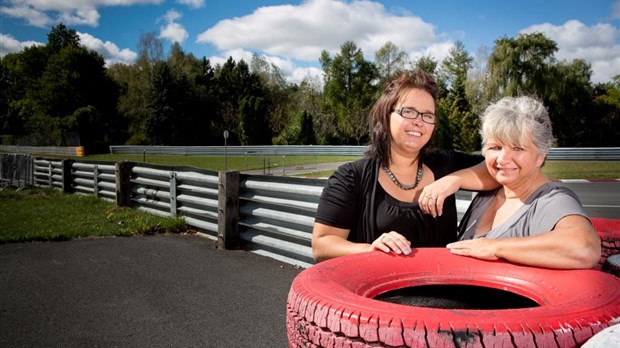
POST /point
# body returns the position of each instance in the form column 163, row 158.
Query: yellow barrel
column 79, row 151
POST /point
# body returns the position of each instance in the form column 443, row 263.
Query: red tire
column 612, row 265
column 609, row 232
column 333, row 303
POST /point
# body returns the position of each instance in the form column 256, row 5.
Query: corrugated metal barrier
column 268, row 215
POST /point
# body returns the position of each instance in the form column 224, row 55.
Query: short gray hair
column 513, row 119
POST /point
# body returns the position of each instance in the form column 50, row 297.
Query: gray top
column 541, row 211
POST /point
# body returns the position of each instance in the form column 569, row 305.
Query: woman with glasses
column 529, row 219
column 374, row 203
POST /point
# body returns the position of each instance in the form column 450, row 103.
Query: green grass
column 50, row 215
column 218, row 163
column 582, row 169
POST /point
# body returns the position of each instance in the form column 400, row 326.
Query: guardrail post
column 67, row 180
column 96, row 180
column 50, row 168
column 173, row 194
column 228, row 210
column 123, row 183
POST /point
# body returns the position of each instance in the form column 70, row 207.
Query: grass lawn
column 49, row 215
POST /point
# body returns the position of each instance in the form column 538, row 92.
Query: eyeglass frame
column 418, row 114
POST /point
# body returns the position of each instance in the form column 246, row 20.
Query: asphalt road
column 148, row 291
column 599, row 198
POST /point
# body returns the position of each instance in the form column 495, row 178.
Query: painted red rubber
column 331, row 304
column 609, row 232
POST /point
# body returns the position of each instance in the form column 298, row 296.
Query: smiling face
column 410, row 136
column 513, row 165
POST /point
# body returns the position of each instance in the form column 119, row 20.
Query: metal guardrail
column 98, row 179
column 556, row 153
column 273, row 215
column 191, row 193
column 584, row 154
column 277, row 216
column 48, row 173
column 16, row 170
column 44, row 150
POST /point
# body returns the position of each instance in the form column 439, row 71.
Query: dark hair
column 397, row 86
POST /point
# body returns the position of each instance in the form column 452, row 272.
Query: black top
column 353, row 199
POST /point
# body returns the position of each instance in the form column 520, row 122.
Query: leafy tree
column 253, row 130
column 150, row 49
column 235, row 83
column 135, row 81
column 526, row 65
column 520, row 65
column 49, row 88
column 306, row 99
column 604, row 130
column 349, row 91
column 60, row 37
column 463, row 125
column 389, row 59
column 159, row 124
column 278, row 101
column 307, row 136
column 568, row 96
column 443, row 137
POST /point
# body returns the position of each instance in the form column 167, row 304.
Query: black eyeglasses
column 412, row 114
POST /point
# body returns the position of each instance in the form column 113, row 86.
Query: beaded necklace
column 401, row 185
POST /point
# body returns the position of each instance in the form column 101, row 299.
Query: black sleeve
column 338, row 200
column 444, row 162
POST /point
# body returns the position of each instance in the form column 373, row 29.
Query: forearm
column 476, row 178
column 330, row 246
column 567, row 251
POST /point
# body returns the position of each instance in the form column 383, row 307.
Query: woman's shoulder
column 354, row 171
column 553, row 191
column 359, row 165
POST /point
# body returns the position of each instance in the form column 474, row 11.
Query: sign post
column 225, row 151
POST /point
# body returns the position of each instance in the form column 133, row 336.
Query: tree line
column 62, row 93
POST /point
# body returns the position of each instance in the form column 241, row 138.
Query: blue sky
column 291, row 34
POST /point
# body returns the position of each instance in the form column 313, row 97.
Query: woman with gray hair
column 529, row 219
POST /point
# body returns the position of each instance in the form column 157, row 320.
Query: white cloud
column 108, row 50
column 173, row 31
column 192, row 3
column 310, row 74
column 42, row 13
column 33, row 17
column 8, row 44
column 303, row 31
column 289, row 68
column 597, row 44
column 235, row 54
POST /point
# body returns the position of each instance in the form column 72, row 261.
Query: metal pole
column 225, row 151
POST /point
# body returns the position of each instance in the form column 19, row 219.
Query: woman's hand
column 392, row 241
column 434, row 194
column 480, row 248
